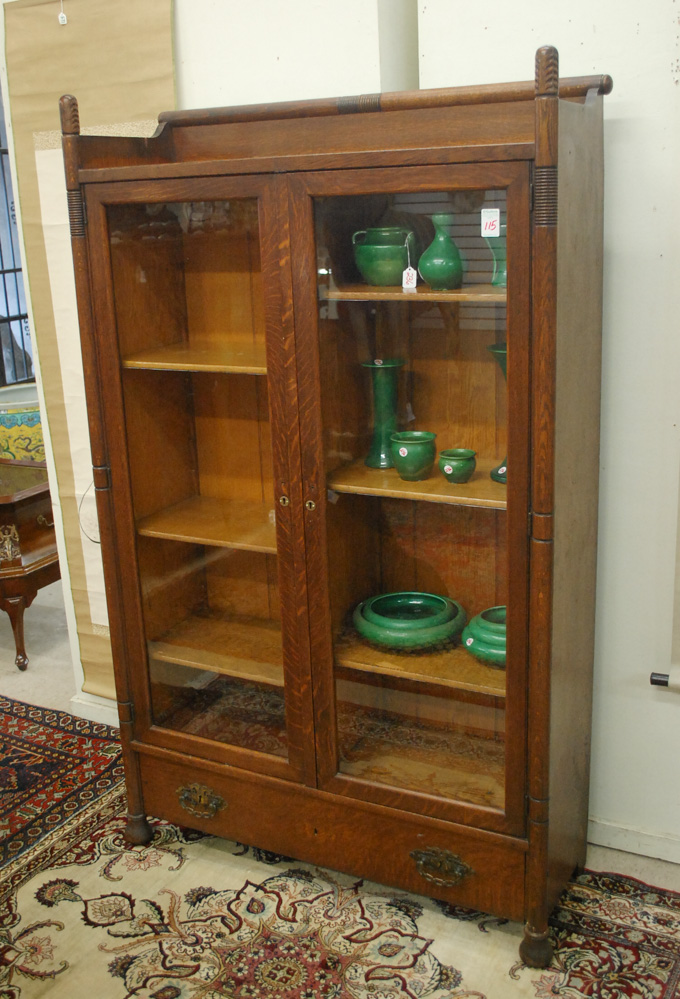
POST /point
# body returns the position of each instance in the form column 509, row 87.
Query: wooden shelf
column 225, row 523
column 246, row 359
column 481, row 490
column 453, row 668
column 244, row 648
column 485, row 293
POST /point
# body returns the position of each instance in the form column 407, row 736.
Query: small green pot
column 485, row 636
column 457, row 464
column 413, row 454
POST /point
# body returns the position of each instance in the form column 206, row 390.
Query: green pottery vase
column 440, row 265
column 484, row 636
column 457, row 464
column 384, row 376
column 500, row 352
column 413, row 454
column 498, row 247
column 383, row 254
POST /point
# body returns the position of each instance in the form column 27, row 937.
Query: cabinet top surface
column 494, row 121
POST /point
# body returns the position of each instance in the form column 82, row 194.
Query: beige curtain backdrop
column 116, row 57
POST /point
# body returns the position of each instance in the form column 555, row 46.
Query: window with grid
column 16, row 354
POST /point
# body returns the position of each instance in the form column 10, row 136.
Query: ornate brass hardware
column 200, row 800
column 9, row 543
column 44, row 522
column 441, row 867
column 310, row 504
column 284, row 501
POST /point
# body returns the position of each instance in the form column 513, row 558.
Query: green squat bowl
column 484, row 636
column 409, row 620
column 408, row 610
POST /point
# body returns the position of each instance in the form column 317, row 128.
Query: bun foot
column 138, row 831
column 536, row 949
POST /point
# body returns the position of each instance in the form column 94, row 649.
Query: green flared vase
column 384, row 379
column 499, row 252
column 440, row 265
column 500, row 352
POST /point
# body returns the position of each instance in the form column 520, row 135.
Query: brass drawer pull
column 441, row 867
column 200, row 800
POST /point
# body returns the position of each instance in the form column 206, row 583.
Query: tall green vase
column 499, row 252
column 500, row 352
column 384, row 376
column 440, row 265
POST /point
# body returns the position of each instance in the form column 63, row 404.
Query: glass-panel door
column 426, row 588
column 199, row 405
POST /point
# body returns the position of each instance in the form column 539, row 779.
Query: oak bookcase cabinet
column 225, row 334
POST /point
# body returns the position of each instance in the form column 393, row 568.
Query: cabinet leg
column 138, row 831
column 15, row 607
column 536, row 949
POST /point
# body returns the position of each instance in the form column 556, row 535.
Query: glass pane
column 416, row 539
column 189, row 313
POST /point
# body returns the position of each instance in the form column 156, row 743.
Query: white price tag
column 491, row 222
column 62, row 18
column 409, row 279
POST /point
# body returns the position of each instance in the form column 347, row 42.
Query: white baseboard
column 664, row 847
column 95, row 709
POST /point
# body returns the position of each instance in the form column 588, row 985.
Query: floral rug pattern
column 51, row 765
column 84, row 914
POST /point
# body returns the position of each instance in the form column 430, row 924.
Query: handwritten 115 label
column 491, row 222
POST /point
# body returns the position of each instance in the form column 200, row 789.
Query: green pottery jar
column 395, row 629
column 457, row 464
column 413, row 454
column 383, row 254
column 485, row 636
column 440, row 265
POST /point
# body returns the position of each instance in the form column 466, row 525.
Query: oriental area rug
column 83, row 914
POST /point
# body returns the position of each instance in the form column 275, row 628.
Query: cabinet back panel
column 385, row 546
column 224, row 287
column 160, row 438
column 148, row 281
column 233, row 437
column 243, row 583
column 173, row 583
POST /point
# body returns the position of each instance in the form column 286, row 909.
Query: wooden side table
column 28, row 549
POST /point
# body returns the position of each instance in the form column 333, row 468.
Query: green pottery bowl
column 382, row 255
column 413, row 454
column 408, row 610
column 484, row 636
column 395, row 634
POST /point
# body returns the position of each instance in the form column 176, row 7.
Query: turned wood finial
column 70, row 119
column 547, row 72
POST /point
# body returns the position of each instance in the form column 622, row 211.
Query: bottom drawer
column 460, row 865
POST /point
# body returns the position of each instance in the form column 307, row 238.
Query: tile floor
column 49, row 682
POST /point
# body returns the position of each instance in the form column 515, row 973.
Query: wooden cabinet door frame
column 304, row 188
column 120, row 551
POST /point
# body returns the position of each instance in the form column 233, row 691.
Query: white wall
column 635, row 798
column 231, row 53
column 265, row 50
